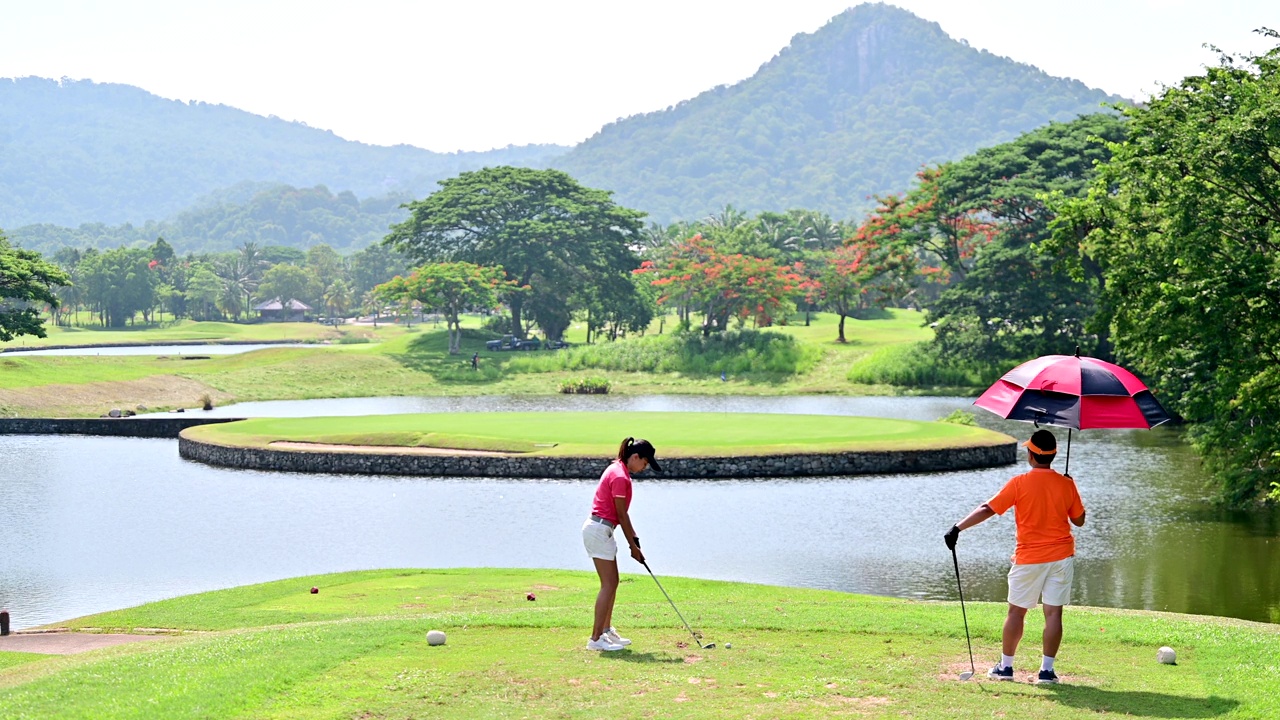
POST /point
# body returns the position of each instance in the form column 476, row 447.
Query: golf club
column 696, row 637
column 972, row 670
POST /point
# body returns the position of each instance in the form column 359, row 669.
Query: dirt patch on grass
column 93, row 399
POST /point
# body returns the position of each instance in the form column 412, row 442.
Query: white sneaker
column 615, row 638
column 604, row 643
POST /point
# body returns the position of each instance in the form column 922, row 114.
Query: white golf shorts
column 598, row 539
column 1052, row 579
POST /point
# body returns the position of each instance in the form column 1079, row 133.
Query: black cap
column 644, row 449
column 1042, row 442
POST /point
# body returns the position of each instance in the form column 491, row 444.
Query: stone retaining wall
column 111, row 427
column 807, row 465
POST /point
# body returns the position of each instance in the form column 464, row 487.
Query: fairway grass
column 597, row 434
column 397, row 361
column 357, row 650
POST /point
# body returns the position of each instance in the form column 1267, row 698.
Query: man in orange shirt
column 1042, row 563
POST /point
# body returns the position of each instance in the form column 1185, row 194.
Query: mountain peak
column 847, row 111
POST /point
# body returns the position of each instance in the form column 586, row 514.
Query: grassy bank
column 593, row 434
column 183, row 331
column 796, row 360
column 357, row 649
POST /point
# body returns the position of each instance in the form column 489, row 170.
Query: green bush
column 737, row 352
column 497, row 324
column 353, row 340
column 912, row 365
column 585, row 386
column 959, row 417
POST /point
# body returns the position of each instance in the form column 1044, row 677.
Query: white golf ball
column 728, row 645
column 1167, row 656
column 435, row 637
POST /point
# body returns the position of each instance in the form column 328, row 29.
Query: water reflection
column 90, row 524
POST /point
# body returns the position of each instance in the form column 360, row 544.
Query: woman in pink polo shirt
column 608, row 511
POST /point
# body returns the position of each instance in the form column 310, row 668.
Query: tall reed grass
column 912, row 365
column 736, row 352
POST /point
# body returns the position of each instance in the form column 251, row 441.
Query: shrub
column 585, row 386
column 738, row 352
column 959, row 417
column 498, row 324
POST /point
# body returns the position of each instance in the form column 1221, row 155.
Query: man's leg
column 1013, row 625
column 1052, row 630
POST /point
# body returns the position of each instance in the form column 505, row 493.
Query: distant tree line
column 114, row 287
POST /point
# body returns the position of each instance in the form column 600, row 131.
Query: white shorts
column 1053, row 579
column 598, row 539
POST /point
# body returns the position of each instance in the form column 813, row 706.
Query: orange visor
column 1032, row 447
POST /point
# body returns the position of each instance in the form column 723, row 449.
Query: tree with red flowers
column 862, row 274
column 448, row 288
column 695, row 275
column 934, row 223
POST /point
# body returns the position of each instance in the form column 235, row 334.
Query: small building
column 273, row 310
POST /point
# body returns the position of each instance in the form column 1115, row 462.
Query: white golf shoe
column 604, row 644
column 615, row 638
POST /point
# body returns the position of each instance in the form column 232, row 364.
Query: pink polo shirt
column 615, row 482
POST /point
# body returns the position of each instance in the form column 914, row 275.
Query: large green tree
column 120, row 283
column 1184, row 222
column 529, row 222
column 27, row 284
column 449, row 288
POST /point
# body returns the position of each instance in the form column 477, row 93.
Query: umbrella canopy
column 1070, row 391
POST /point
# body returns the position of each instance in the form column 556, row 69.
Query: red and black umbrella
column 1077, row 393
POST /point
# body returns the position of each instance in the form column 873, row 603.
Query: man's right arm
column 1078, row 521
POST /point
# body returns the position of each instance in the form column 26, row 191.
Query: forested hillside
column 75, row 152
column 851, row 110
column 250, row 212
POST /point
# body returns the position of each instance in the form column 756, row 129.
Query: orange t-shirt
column 1045, row 500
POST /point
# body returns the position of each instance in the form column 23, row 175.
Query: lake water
column 92, row 524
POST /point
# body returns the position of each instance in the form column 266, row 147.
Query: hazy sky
column 449, row 74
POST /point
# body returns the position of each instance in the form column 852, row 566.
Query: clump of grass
column 585, row 386
column 353, row 340
column 910, row 365
column 206, row 402
column 738, row 352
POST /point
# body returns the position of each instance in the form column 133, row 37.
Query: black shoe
column 1047, row 677
column 998, row 673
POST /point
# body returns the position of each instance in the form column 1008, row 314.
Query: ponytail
column 624, row 450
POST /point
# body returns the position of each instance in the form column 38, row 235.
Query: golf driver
column 972, row 670
column 696, row 637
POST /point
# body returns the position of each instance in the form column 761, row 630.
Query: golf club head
column 966, row 675
column 711, row 646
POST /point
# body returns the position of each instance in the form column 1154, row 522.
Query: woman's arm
column 624, row 520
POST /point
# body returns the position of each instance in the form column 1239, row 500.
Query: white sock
column 1047, row 663
column 1006, row 661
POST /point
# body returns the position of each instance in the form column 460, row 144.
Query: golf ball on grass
column 728, row 645
column 1167, row 656
column 435, row 637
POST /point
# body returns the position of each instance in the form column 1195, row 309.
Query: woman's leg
column 608, row 572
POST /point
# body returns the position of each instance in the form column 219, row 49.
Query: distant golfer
column 1042, row 563
column 608, row 511
column 475, row 361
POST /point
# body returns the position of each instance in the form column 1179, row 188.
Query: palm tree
column 728, row 218
column 337, row 298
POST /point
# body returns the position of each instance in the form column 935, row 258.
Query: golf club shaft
column 673, row 606
column 956, row 561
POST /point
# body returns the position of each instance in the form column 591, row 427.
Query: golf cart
column 510, row 342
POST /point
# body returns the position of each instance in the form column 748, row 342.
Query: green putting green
column 580, row 434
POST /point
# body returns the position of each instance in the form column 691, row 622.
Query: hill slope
column 74, row 152
column 852, row 109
